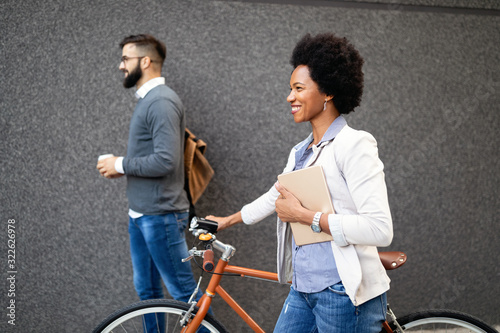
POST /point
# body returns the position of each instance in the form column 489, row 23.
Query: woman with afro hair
column 339, row 285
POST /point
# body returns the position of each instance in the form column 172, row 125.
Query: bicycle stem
column 227, row 250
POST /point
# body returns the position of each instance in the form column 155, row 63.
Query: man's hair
column 148, row 44
column 336, row 67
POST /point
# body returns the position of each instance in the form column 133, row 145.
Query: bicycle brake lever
column 187, row 259
column 193, row 252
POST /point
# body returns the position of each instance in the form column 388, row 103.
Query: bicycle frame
column 214, row 288
column 223, row 267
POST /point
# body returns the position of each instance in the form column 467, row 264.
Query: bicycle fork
column 187, row 316
column 190, row 322
column 386, row 326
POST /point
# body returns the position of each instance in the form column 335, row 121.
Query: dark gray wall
column 432, row 95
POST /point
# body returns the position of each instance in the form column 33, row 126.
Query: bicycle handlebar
column 200, row 223
column 200, row 226
column 208, row 260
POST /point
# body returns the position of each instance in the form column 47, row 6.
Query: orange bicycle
column 175, row 316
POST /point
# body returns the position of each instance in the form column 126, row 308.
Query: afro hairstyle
column 335, row 65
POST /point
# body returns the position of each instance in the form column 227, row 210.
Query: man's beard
column 132, row 77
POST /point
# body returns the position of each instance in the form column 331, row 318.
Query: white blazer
column 362, row 219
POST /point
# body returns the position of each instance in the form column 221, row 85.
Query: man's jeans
column 157, row 246
column 330, row 311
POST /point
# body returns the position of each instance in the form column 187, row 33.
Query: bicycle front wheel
column 441, row 321
column 155, row 316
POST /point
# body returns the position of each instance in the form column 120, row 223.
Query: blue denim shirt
column 313, row 264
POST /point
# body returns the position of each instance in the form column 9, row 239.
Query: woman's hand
column 289, row 208
column 227, row 221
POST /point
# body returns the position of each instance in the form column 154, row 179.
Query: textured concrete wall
column 432, row 96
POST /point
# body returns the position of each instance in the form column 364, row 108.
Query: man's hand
column 107, row 169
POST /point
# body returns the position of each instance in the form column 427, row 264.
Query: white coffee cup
column 102, row 157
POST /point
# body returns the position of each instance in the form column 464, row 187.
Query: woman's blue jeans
column 157, row 246
column 332, row 311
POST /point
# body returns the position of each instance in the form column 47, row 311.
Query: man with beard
column 154, row 167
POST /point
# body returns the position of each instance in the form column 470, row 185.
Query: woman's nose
column 291, row 97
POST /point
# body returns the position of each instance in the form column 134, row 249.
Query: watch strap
column 315, row 226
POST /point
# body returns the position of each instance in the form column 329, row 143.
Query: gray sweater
column 154, row 164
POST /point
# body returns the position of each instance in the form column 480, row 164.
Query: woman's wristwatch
column 315, row 224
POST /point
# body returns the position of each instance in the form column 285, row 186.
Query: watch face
column 315, row 228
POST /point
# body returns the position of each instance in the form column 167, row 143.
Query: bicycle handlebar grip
column 208, row 261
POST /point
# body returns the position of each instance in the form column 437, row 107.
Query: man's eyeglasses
column 125, row 58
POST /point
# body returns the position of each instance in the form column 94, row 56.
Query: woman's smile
column 295, row 109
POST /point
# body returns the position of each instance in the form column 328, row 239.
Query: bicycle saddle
column 392, row 260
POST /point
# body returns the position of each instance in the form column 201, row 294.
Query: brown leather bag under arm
column 198, row 171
